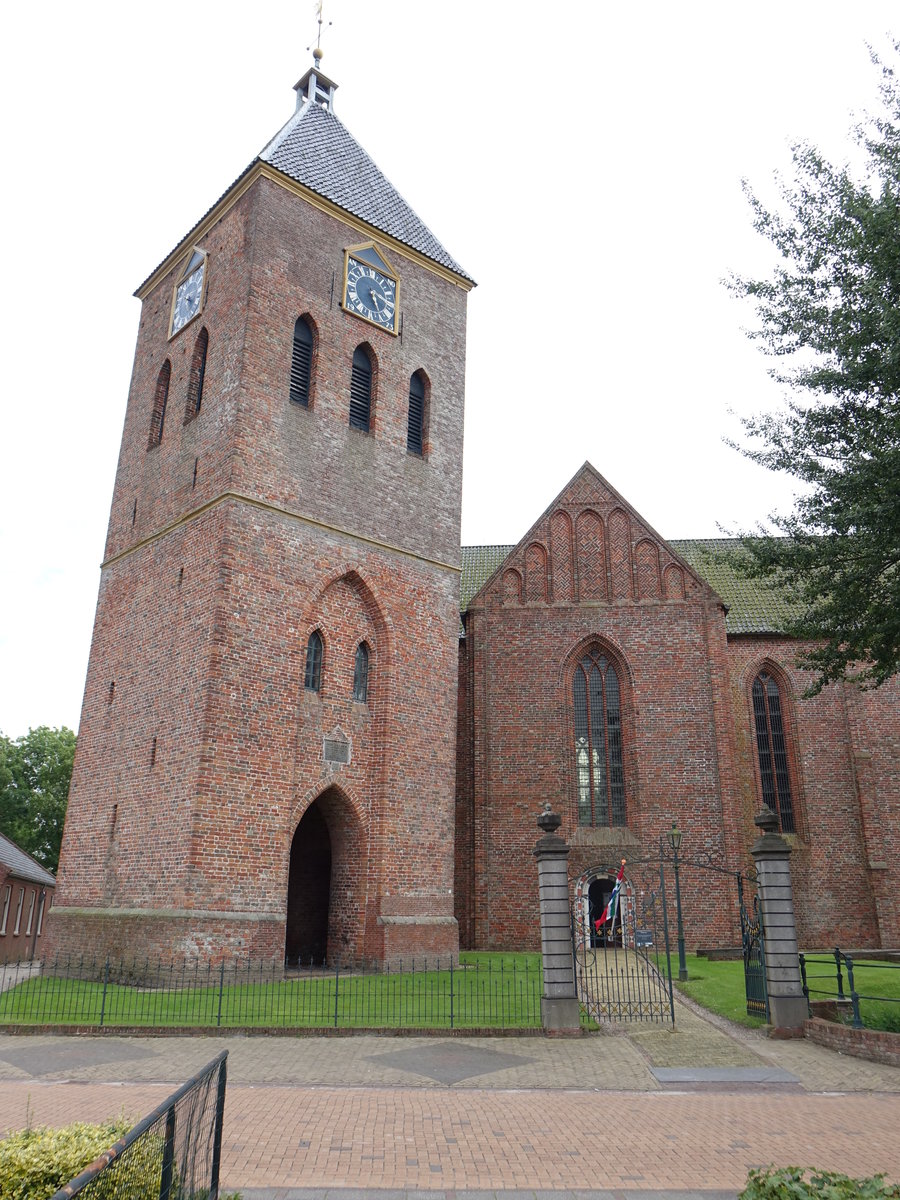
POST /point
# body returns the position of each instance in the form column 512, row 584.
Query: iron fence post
column 854, row 995
column 221, row 989
column 337, row 972
column 105, row 982
column 451, row 991
column 840, row 977
column 165, row 1183
column 804, row 982
column 217, row 1131
column 665, row 920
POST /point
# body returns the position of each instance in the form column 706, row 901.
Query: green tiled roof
column 753, row 607
column 478, row 565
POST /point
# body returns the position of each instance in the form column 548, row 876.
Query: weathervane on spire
column 314, row 86
column 318, row 52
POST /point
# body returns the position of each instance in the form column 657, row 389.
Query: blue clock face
column 370, row 294
column 187, row 298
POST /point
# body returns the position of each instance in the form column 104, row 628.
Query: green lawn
column 484, row 991
column 877, row 984
column 718, row 986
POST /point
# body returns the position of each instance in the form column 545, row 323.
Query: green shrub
column 788, row 1183
column 35, row 1163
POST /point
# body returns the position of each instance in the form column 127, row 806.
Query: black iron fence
column 858, row 990
column 481, row 991
column 173, row 1154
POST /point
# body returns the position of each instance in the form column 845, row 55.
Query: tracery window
column 599, row 772
column 313, row 678
column 772, row 750
column 361, row 673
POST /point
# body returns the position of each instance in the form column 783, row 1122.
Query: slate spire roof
column 315, row 149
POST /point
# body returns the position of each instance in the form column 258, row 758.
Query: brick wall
column 832, row 881
column 872, row 1044
column 590, row 573
column 258, row 522
column 24, row 915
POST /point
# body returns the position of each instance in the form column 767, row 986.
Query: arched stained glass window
column 313, row 678
column 599, row 773
column 361, row 673
column 772, row 751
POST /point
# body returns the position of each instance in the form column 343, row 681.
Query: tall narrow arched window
column 160, row 399
column 415, row 427
column 301, row 362
column 313, row 678
column 361, row 673
column 599, row 773
column 772, row 750
column 361, row 390
column 197, row 375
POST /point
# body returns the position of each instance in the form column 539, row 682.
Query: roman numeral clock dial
column 190, row 292
column 370, row 289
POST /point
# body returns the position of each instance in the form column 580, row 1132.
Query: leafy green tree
column 830, row 315
column 35, row 771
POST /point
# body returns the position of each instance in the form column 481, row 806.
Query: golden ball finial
column 317, row 54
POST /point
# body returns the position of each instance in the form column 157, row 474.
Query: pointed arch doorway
column 309, row 891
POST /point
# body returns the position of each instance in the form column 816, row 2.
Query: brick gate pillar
column 787, row 1004
column 560, row 1011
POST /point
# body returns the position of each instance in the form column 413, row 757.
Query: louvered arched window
column 313, row 678
column 361, row 673
column 599, row 772
column 772, row 750
column 301, row 362
column 160, row 399
column 415, row 426
column 197, row 375
column 361, row 389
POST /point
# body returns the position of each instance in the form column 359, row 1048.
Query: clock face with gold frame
column 370, row 287
column 190, row 292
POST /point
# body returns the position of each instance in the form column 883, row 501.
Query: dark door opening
column 309, row 888
column 599, row 892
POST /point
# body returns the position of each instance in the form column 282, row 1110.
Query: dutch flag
column 612, row 907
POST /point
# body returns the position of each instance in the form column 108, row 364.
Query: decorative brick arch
column 329, row 821
column 581, row 894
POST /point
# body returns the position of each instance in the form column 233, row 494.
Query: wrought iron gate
column 753, row 946
column 623, row 971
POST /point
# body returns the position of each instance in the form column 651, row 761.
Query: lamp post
column 674, row 835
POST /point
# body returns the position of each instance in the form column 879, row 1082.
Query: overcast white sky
column 581, row 159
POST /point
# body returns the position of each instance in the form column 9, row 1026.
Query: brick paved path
column 690, row 1110
column 418, row 1138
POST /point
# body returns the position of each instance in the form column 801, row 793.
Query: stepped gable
column 591, row 547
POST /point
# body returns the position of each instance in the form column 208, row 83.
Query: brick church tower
column 266, row 754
